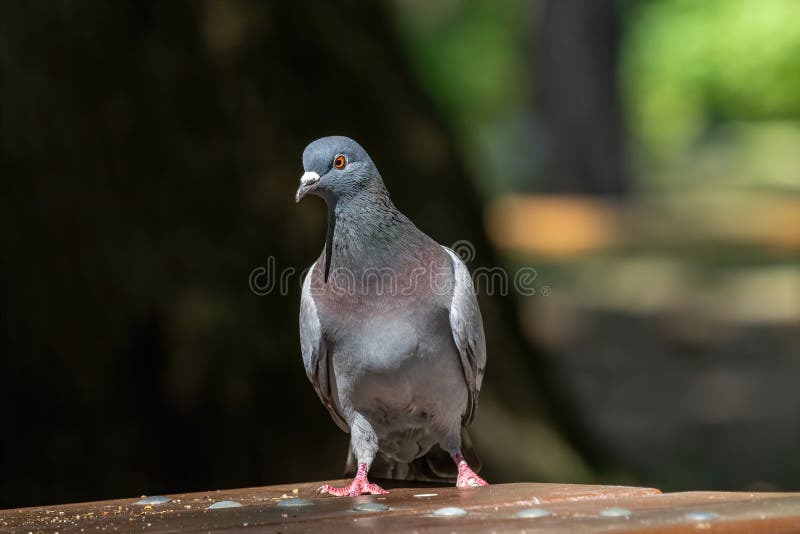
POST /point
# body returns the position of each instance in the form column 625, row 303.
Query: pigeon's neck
column 364, row 230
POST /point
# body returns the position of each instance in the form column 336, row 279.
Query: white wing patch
column 467, row 327
column 315, row 352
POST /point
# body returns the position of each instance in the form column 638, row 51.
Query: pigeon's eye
column 339, row 162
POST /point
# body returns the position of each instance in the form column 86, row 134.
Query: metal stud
column 450, row 511
column 533, row 512
column 224, row 504
column 294, row 502
column 615, row 512
column 370, row 507
column 154, row 499
column 701, row 516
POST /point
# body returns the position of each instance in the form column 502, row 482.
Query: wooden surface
column 571, row 508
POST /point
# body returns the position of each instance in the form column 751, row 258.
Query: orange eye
column 339, row 162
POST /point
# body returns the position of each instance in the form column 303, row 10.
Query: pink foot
column 467, row 478
column 356, row 487
column 359, row 486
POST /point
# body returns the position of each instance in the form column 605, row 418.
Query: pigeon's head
column 336, row 167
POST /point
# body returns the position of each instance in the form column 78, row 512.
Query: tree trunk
column 576, row 57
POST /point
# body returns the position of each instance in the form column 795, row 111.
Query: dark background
column 642, row 156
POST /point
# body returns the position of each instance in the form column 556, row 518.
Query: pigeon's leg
column 467, row 478
column 365, row 445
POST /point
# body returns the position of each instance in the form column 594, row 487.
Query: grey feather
column 315, row 352
column 467, row 325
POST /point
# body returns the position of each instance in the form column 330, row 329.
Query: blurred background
column 643, row 156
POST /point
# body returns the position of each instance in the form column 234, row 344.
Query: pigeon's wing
column 315, row 352
column 467, row 326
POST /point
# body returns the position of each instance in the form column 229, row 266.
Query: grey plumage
column 390, row 330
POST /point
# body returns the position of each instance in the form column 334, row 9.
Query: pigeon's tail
column 435, row 466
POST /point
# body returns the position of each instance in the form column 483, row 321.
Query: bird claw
column 355, row 488
column 374, row 489
column 467, row 478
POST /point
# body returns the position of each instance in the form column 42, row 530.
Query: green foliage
column 468, row 54
column 688, row 64
column 473, row 59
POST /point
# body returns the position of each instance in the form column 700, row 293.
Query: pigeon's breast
column 401, row 372
column 394, row 286
column 390, row 342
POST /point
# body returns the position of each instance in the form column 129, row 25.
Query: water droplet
column 701, row 516
column 615, row 512
column 450, row 511
column 370, row 507
column 154, row 499
column 533, row 512
column 224, row 504
column 293, row 502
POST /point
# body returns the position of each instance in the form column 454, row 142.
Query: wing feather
column 315, row 352
column 467, row 327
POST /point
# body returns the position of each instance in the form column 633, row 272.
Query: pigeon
column 390, row 330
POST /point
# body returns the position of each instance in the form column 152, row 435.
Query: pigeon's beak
column 308, row 182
